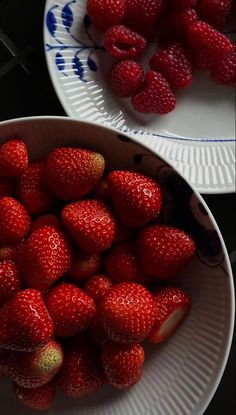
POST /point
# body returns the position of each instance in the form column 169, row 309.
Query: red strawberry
column 39, row 398
column 13, row 158
column 7, row 186
column 72, row 173
column 84, row 265
column 207, row 46
column 71, row 309
column 46, row 256
column 174, row 65
column 7, row 252
column 25, row 324
column 173, row 306
column 164, row 250
column 46, row 220
column 97, row 287
column 225, row 71
column 82, row 373
column 15, row 222
column 127, row 312
column 122, row 363
column 34, row 369
column 101, row 192
column 156, row 96
column 214, row 12
column 10, row 282
column 137, row 198
column 122, row 43
column 142, row 16
column 96, row 331
column 5, row 368
column 122, row 264
column 174, row 26
column 126, row 78
column 105, row 13
column 34, row 194
column 91, row 225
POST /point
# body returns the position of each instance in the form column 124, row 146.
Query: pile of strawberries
column 85, row 273
column 190, row 34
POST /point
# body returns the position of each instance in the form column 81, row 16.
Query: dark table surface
column 26, row 90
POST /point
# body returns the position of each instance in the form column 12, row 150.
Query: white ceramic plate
column 198, row 138
column 181, row 376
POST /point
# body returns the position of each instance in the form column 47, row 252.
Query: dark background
column 26, row 90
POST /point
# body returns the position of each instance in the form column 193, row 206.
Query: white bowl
column 181, row 376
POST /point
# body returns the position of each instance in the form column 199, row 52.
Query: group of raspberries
column 87, row 272
column 191, row 38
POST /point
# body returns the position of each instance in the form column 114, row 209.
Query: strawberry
column 122, row 363
column 82, row 373
column 84, row 265
column 137, row 198
column 7, row 252
column 101, row 191
column 127, row 312
column 72, row 173
column 46, row 220
column 105, row 13
column 123, row 43
column 38, row 398
column 15, row 222
column 123, row 233
column 25, row 324
column 156, row 96
column 142, row 16
column 7, row 186
column 122, row 264
column 34, row 369
column 96, row 331
column 214, row 12
column 34, row 194
column 91, row 225
column 164, row 250
column 47, row 251
column 208, row 47
column 173, row 306
column 71, row 309
column 5, row 368
column 126, row 78
column 13, row 158
column 97, row 287
column 174, row 65
column 10, row 282
column 225, row 71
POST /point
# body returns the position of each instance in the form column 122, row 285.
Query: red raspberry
column 156, row 97
column 142, row 16
column 126, row 78
column 207, row 46
column 214, row 12
column 225, row 72
column 105, row 13
column 123, row 43
column 173, row 28
column 173, row 64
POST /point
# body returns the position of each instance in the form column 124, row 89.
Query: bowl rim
column 214, row 385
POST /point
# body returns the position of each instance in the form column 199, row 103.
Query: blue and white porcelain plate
column 198, row 138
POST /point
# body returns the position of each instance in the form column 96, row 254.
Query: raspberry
column 123, row 43
column 156, row 97
column 214, row 12
column 174, row 27
column 207, row 46
column 126, row 78
column 225, row 72
column 142, row 16
column 105, row 13
column 173, row 64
